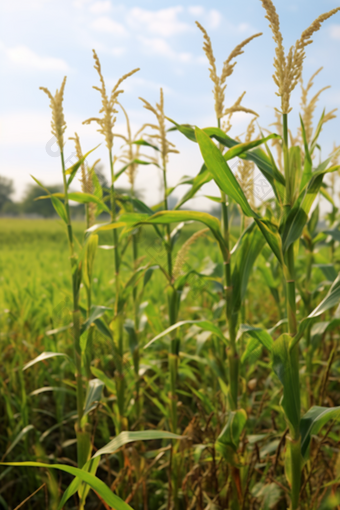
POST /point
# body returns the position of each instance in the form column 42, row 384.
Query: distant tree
column 41, row 207
column 11, row 209
column 6, row 190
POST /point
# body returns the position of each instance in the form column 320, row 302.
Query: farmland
column 157, row 357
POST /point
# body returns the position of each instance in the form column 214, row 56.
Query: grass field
column 39, row 403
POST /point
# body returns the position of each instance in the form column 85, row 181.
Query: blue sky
column 43, row 40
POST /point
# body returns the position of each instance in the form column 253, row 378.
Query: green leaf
column 100, row 227
column 286, row 367
column 257, row 156
column 244, row 255
column 221, row 172
column 133, row 162
column 328, row 270
column 59, row 208
column 109, row 383
column 273, row 238
column 298, row 216
column 97, row 485
column 332, row 299
column 241, row 148
column 129, row 437
column 312, row 422
column 167, row 217
column 19, row 437
column 233, row 429
column 319, row 329
column 55, row 331
column 73, row 169
column 263, row 337
column 205, row 325
column 43, row 356
column 334, row 233
column 103, row 328
column 86, row 198
column 201, row 178
column 93, row 394
column 228, row 441
column 147, row 144
column 91, row 467
column 95, row 313
column 90, row 252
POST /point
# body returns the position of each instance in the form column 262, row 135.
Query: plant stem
column 295, row 438
column 233, row 359
column 172, row 356
column 172, row 310
column 136, row 353
column 75, row 312
column 119, row 376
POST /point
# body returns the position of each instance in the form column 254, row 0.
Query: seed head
column 288, row 68
column 183, row 253
column 236, row 107
column 227, row 70
column 308, row 107
column 245, row 173
column 58, row 122
column 165, row 146
column 107, row 122
column 86, row 180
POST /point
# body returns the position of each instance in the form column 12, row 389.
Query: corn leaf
column 108, row 381
column 244, row 255
column 312, row 422
column 74, row 168
column 285, row 365
column 93, row 394
column 133, row 162
column 95, row 313
column 261, row 335
column 129, row 437
column 19, row 437
column 221, row 172
column 146, row 144
column 91, row 467
column 205, row 325
column 43, row 356
column 167, row 217
column 97, row 485
column 202, row 178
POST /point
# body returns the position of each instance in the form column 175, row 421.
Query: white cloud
column 24, row 5
column 24, row 57
column 159, row 46
column 106, row 24
column 334, row 31
column 164, row 22
column 243, row 27
column 101, row 7
column 214, row 18
column 79, row 4
column 196, row 10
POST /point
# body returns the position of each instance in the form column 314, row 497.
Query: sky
column 41, row 41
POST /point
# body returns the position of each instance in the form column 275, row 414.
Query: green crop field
column 166, row 358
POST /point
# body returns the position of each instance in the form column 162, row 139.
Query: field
column 164, row 358
column 39, row 403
